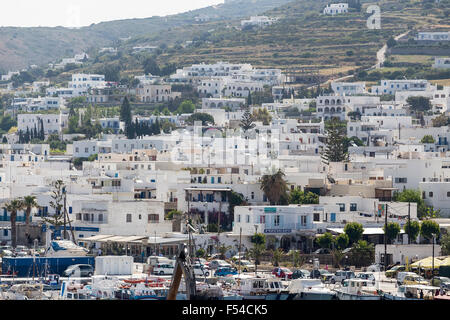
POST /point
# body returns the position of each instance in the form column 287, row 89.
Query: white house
column 348, row 88
column 259, row 21
column 85, row 81
column 336, row 8
column 53, row 123
column 441, row 63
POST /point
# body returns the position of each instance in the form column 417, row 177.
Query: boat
column 71, row 290
column 25, row 291
column 259, row 288
column 412, row 292
column 358, row 289
column 310, row 289
column 140, row 291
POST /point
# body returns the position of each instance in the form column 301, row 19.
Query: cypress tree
column 335, row 146
column 247, row 120
column 27, row 136
column 249, row 99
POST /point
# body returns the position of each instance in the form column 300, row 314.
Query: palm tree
column 29, row 203
column 275, row 188
column 12, row 207
column 277, row 255
column 255, row 253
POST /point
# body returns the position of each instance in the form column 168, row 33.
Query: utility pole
column 239, row 253
column 409, row 222
column 65, row 204
column 385, row 238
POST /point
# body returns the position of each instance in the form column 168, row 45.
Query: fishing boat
column 412, row 292
column 310, row 289
column 358, row 289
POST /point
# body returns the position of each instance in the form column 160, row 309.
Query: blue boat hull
column 25, row 267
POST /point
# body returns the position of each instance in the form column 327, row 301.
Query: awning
column 367, row 231
column 427, row 263
column 98, row 238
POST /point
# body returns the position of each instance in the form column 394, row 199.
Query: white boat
column 412, row 292
column 25, row 292
column 259, row 288
column 310, row 289
column 358, row 289
column 70, row 290
column 65, row 248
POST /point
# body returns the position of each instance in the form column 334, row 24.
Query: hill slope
column 21, row 47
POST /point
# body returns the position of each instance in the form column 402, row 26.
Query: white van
column 163, row 269
column 401, row 276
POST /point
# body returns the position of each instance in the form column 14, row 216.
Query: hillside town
column 331, row 185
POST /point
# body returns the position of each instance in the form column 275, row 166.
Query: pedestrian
column 421, row 294
column 326, row 267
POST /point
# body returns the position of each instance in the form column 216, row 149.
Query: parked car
column 282, row 273
column 225, row 271
column 376, row 267
column 319, row 274
column 414, row 279
column 322, row 251
column 236, row 256
column 392, row 273
column 201, row 270
column 366, row 276
column 300, row 274
column 402, row 275
column 213, row 265
column 342, row 275
column 246, row 266
column 442, row 282
column 79, row 270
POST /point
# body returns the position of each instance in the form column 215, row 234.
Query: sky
column 79, row 13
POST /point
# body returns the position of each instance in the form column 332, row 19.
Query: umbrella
column 427, row 263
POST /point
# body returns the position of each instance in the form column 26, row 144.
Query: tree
column 186, row 107
column 125, row 111
column 342, row 241
column 410, row 195
column 363, row 253
column 200, row 253
column 249, row 99
column 297, row 260
column 29, row 203
column 255, row 253
column 151, row 67
column 391, row 42
column 57, row 218
column 173, row 214
column 259, row 239
column 441, row 121
column 412, row 229
column 12, row 207
column 262, row 115
column 428, row 228
column 338, row 255
column 275, row 188
column 445, row 245
column 335, row 145
column 427, row 139
column 325, row 241
column 222, row 250
column 247, row 121
column 419, row 104
column 277, row 255
column 299, row 197
column 354, row 231
column 392, row 230
column 206, row 119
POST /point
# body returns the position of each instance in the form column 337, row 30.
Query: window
column 253, row 195
column 262, row 219
column 341, row 207
column 239, row 218
column 316, row 216
column 276, row 221
column 303, row 220
column 248, row 219
column 401, row 180
column 128, row 218
column 100, row 217
column 153, row 218
column 353, row 207
column 430, row 194
column 448, row 194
